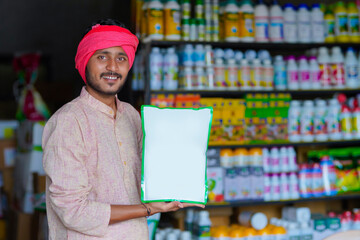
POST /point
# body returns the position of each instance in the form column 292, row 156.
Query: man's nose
column 112, row 65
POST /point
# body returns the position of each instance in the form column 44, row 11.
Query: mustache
column 111, row 74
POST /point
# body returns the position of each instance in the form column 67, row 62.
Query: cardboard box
column 7, row 153
column 215, row 178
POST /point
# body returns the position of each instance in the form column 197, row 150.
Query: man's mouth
column 111, row 77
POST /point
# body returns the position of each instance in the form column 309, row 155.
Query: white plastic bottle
column 290, row 25
column 293, row 167
column 293, row 231
column 244, row 74
column 337, row 66
column 317, row 24
column 219, row 72
column 246, row 21
column 294, row 121
column 276, row 31
column 231, row 23
column 325, row 68
column 199, row 55
column 256, row 74
column 155, row 14
column 172, row 30
column 307, row 121
column 294, row 186
column 171, row 69
column 314, row 73
column 261, row 22
column 279, row 73
column 267, row 187
column 187, row 55
column 292, row 74
column 303, row 24
column 351, row 69
column 275, row 187
column 156, row 69
column 333, row 120
column 284, row 187
column 275, row 160
column 304, row 73
column 306, row 231
column 268, row 75
column 266, row 160
column 204, row 224
column 320, row 130
column 231, row 74
column 284, row 160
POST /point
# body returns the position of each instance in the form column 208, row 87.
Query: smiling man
column 92, row 148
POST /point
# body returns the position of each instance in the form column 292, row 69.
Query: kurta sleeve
column 64, row 162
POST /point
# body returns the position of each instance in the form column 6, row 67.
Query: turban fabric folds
column 101, row 37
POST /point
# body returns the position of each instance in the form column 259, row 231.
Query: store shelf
column 287, row 202
column 295, row 144
column 253, row 45
column 239, row 93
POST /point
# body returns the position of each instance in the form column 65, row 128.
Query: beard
column 96, row 86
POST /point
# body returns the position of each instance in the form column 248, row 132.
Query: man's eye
column 122, row 59
column 101, row 57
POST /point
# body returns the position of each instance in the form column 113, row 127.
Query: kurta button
column 120, row 143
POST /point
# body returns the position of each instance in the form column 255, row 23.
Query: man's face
column 106, row 71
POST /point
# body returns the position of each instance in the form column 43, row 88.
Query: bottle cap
column 259, row 221
column 303, row 5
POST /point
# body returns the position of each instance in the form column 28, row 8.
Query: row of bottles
column 247, row 21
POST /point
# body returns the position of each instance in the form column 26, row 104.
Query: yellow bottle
column 172, row 20
column 329, row 20
column 341, row 23
column 155, row 16
column 246, row 21
column 144, row 19
column 231, row 22
column 353, row 23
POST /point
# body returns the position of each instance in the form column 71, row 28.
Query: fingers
column 193, row 205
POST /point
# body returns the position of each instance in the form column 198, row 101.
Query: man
column 92, row 148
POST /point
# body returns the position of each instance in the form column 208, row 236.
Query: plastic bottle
column 199, row 9
column 293, row 231
column 284, row 187
column 317, row 24
column 329, row 20
column 337, row 66
column 185, row 9
column 320, row 130
column 314, row 73
column 292, row 74
column 303, row 24
column 246, row 21
column 275, row 187
column 267, row 75
column 266, row 160
column 199, row 55
column 193, row 30
column 284, row 160
column 279, row 73
column 231, row 74
column 244, row 74
column 317, row 182
column 185, row 235
column 261, row 22
column 353, row 22
column 290, row 26
column 307, row 121
column 304, row 73
column 221, row 19
column 351, row 69
column 341, row 21
column 219, row 71
column 200, row 79
column 188, row 55
column 171, row 69
column 156, row 69
column 267, row 187
column 292, row 159
column 144, row 19
column 255, row 74
column 345, row 122
column 275, row 160
column 356, row 121
column 185, row 29
column 306, row 231
column 329, row 175
column 155, row 20
column 294, row 186
column 200, row 29
column 204, row 224
column 305, row 181
column 172, row 20
column 276, row 32
column 333, row 120
column 189, row 219
column 256, row 220
column 325, row 68
column 231, row 22
column 294, row 121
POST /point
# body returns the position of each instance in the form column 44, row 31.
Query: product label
column 172, row 22
column 304, row 32
column 318, row 31
column 276, row 29
column 219, row 76
column 329, row 28
column 325, row 74
column 290, row 34
column 354, row 25
column 244, row 78
column 338, row 74
column 261, row 29
column 201, row 32
column 315, row 77
column 199, row 11
column 333, row 122
column 294, row 125
column 280, row 76
column 307, row 124
column 255, row 76
column 304, row 76
column 346, row 123
column 320, row 123
column 185, row 33
column 231, row 74
column 144, row 26
column 246, row 24
column 204, row 231
column 341, row 24
column 293, row 77
column 317, row 183
column 352, row 73
column 231, row 25
column 356, row 123
column 268, row 77
column 155, row 22
column 186, row 10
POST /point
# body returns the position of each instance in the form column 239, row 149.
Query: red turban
column 101, row 37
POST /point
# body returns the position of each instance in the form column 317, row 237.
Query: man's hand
column 156, row 207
